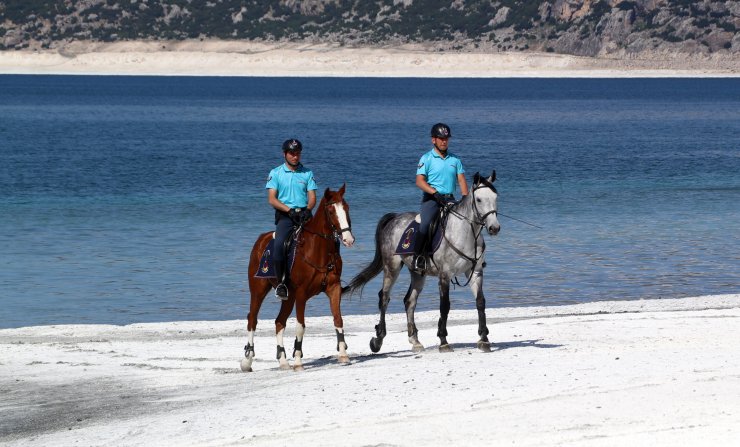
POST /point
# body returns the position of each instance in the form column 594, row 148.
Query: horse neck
column 319, row 223
column 464, row 208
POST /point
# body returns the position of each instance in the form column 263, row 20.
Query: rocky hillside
column 578, row 27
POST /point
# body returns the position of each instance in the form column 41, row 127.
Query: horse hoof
column 284, row 366
column 246, row 366
column 418, row 347
column 445, row 348
column 484, row 346
column 298, row 368
column 375, row 344
column 343, row 359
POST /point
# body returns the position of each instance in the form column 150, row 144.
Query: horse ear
column 341, row 190
column 326, row 192
column 493, row 176
column 476, row 178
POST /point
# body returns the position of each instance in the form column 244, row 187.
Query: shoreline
column 250, row 59
column 646, row 372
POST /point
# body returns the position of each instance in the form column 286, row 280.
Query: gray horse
column 460, row 252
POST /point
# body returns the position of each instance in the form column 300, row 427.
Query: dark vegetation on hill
column 579, row 27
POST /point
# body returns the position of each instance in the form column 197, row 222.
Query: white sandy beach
column 651, row 372
column 234, row 58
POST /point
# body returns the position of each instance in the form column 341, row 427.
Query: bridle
column 481, row 222
column 333, row 252
column 486, row 183
column 337, row 232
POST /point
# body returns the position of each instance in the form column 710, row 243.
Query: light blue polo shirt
column 441, row 173
column 292, row 186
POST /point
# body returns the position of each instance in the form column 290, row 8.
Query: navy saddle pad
column 267, row 267
column 408, row 239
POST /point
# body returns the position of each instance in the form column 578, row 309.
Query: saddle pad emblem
column 265, row 264
column 408, row 238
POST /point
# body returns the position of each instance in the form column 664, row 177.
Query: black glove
column 439, row 199
column 305, row 215
column 295, row 214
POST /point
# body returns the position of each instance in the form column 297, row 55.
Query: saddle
column 267, row 267
column 436, row 229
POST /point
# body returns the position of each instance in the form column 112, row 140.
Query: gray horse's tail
column 372, row 270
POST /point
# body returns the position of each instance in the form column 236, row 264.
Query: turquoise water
column 134, row 199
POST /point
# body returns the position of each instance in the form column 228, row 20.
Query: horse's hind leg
column 476, row 286
column 257, row 290
column 444, row 311
column 409, row 301
column 390, row 275
column 334, row 292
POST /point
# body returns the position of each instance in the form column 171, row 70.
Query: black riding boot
column 420, row 262
column 281, row 291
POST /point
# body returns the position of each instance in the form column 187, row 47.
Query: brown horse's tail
column 372, row 270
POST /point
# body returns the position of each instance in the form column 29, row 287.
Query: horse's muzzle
column 348, row 239
column 494, row 229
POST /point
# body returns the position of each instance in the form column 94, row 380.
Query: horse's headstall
column 480, row 180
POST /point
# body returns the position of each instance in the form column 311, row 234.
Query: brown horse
column 317, row 268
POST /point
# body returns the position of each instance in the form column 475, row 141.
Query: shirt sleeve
column 460, row 169
column 271, row 181
column 422, row 168
column 311, row 182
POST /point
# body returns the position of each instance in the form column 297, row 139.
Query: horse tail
column 372, row 270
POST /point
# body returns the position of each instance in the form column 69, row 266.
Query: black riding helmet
column 441, row 130
column 292, row 145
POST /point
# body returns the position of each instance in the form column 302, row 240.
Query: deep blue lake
column 136, row 199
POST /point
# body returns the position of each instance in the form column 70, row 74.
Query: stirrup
column 420, row 263
column 281, row 292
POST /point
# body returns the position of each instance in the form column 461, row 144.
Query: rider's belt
column 427, row 196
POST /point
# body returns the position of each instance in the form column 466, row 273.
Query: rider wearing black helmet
column 291, row 190
column 437, row 175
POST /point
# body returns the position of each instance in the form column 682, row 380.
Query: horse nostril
column 493, row 230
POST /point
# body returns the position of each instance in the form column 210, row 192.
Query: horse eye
column 477, row 200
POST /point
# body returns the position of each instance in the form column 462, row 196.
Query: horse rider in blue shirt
column 291, row 190
column 438, row 174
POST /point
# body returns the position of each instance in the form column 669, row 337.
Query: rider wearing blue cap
column 291, row 190
column 438, row 174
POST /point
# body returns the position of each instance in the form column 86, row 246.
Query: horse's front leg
column 258, row 289
column 444, row 311
column 417, row 284
column 300, row 330
column 280, row 323
column 334, row 292
column 476, row 286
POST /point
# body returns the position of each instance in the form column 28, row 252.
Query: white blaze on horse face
column 347, row 238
